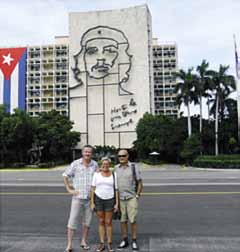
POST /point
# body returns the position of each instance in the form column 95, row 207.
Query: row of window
column 164, row 77
column 37, row 113
column 38, row 87
column 38, row 92
column 166, row 112
column 155, row 66
column 57, row 79
column 62, row 53
column 163, row 73
column 158, row 48
column 170, row 104
column 47, row 61
column 166, row 86
column 46, row 48
column 58, row 66
column 167, row 54
column 165, row 92
column 58, row 73
column 44, row 99
column 164, row 61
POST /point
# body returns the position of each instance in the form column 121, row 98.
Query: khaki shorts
column 80, row 207
column 129, row 210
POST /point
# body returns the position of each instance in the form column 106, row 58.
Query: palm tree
column 203, row 87
column 223, row 85
column 185, row 92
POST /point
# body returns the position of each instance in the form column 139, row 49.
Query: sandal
column 101, row 247
column 110, row 249
column 85, row 247
column 68, row 250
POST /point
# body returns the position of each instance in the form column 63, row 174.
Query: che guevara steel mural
column 104, row 55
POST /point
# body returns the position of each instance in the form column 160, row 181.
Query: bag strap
column 114, row 182
column 134, row 172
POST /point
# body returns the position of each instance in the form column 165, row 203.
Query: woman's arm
column 117, row 197
column 92, row 197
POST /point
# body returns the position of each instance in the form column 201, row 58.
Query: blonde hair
column 105, row 159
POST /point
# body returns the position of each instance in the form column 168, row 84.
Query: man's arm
column 139, row 187
column 69, row 188
column 139, row 181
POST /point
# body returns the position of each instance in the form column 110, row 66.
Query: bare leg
column 101, row 225
column 108, row 223
column 70, row 233
column 124, row 229
column 85, row 230
column 134, row 230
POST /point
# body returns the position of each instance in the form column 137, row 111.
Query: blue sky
column 202, row 29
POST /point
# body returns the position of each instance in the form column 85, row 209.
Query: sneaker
column 123, row 244
column 134, row 245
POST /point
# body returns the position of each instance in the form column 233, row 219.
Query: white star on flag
column 7, row 59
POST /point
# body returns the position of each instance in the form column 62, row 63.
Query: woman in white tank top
column 104, row 199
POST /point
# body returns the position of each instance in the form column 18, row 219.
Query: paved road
column 182, row 210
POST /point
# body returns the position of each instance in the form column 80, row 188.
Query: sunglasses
column 122, row 156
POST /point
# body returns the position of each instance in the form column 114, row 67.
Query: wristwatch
column 137, row 196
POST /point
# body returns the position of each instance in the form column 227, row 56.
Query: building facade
column 165, row 64
column 110, row 82
column 47, row 78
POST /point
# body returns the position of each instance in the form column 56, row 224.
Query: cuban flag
column 13, row 78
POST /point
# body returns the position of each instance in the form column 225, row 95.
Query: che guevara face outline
column 104, row 51
column 100, row 56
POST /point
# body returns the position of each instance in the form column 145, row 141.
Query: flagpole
column 238, row 106
column 237, row 85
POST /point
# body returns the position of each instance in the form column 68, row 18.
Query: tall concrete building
column 165, row 64
column 47, row 78
column 110, row 68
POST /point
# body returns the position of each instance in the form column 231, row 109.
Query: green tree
column 202, row 87
column 16, row 136
column 223, row 85
column 23, row 133
column 3, row 134
column 191, row 148
column 54, row 134
column 185, row 92
column 162, row 134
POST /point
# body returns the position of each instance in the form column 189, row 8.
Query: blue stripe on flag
column 7, row 94
column 22, row 81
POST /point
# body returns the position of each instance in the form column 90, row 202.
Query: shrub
column 191, row 148
column 221, row 161
column 46, row 165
